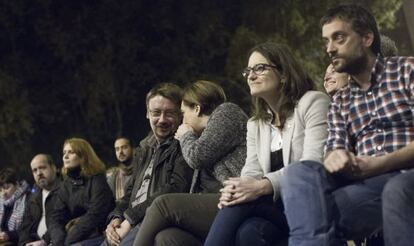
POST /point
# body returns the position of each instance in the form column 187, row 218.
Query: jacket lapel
column 263, row 144
column 287, row 135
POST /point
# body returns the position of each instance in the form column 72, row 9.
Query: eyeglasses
column 167, row 113
column 257, row 69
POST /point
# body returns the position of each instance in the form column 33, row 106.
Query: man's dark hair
column 361, row 20
column 168, row 90
column 130, row 142
column 8, row 176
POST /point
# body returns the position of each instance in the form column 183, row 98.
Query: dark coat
column 87, row 198
column 170, row 174
column 33, row 215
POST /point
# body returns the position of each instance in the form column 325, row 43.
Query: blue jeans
column 398, row 210
column 90, row 242
column 259, row 222
column 323, row 209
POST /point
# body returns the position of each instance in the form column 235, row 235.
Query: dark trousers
column 178, row 219
column 259, row 222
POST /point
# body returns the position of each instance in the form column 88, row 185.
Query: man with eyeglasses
column 159, row 166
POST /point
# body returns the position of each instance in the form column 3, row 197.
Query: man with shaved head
column 34, row 231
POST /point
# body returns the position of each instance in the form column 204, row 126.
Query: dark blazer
column 33, row 215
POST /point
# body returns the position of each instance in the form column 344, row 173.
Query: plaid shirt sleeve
column 410, row 75
column 338, row 137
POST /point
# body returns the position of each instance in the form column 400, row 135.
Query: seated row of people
column 249, row 182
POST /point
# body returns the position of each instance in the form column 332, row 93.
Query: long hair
column 207, row 94
column 297, row 82
column 90, row 162
column 362, row 22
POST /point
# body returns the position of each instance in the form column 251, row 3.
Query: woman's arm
column 220, row 136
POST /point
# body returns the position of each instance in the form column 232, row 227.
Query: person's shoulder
column 99, row 177
column 230, row 109
column 398, row 61
column 310, row 97
column 112, row 171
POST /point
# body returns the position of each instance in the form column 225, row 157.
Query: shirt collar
column 376, row 74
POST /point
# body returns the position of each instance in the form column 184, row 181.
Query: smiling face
column 70, row 158
column 44, row 173
column 266, row 84
column 163, row 116
column 334, row 81
column 346, row 48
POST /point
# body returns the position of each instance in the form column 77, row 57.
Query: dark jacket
column 87, row 198
column 170, row 174
column 33, row 215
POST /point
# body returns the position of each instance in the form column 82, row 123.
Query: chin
column 254, row 93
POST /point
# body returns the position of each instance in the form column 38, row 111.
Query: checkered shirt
column 379, row 120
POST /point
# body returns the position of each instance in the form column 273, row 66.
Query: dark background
column 82, row 68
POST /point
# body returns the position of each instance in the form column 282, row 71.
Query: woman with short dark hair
column 13, row 197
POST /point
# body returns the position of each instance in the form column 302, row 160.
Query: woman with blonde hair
column 84, row 199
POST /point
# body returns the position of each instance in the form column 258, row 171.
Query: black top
column 276, row 160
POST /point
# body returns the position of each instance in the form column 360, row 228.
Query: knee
column 396, row 190
column 163, row 238
column 257, row 231
column 298, row 170
column 162, row 202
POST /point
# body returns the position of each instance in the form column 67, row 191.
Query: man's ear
column 198, row 110
column 368, row 39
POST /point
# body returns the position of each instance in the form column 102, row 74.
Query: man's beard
column 127, row 162
column 44, row 184
column 354, row 66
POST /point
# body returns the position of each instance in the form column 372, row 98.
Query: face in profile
column 191, row 116
column 123, row 150
column 70, row 158
column 345, row 47
column 44, row 173
column 334, row 81
column 164, row 117
column 266, row 80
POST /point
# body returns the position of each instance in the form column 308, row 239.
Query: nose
column 330, row 47
column 251, row 75
column 162, row 117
